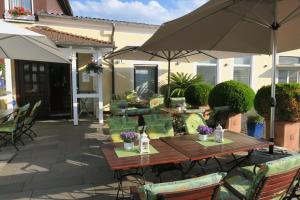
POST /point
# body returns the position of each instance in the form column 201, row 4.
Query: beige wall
column 131, row 34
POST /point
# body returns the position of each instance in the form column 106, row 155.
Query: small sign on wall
column 85, row 77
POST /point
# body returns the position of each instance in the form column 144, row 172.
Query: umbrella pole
column 169, row 72
column 273, row 97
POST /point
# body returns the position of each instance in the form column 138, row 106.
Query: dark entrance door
column 145, row 80
column 34, row 81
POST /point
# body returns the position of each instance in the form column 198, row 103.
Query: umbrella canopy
column 22, row 44
column 136, row 53
column 250, row 26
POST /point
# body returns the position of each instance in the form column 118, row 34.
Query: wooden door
column 32, row 84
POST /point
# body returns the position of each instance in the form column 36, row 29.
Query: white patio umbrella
column 249, row 26
column 22, row 44
column 187, row 56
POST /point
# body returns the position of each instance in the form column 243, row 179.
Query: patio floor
column 64, row 162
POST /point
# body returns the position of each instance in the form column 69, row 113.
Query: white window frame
column 217, row 64
column 246, row 66
column 288, row 74
column 23, row 18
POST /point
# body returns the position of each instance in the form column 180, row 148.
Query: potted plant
column 19, row 13
column 197, row 95
column 255, row 126
column 94, row 68
column 287, row 113
column 204, row 132
column 237, row 96
column 128, row 139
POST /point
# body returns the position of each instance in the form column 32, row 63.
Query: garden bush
column 237, row 95
column 287, row 102
column 197, row 94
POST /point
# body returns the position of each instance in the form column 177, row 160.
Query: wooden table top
column 188, row 146
column 166, row 155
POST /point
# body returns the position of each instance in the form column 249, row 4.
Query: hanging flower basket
column 19, row 13
column 94, row 68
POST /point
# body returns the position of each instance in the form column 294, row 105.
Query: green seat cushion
column 177, row 100
column 150, row 191
column 162, row 129
column 192, row 121
column 157, row 118
column 240, row 183
column 248, row 171
column 131, row 111
column 7, row 127
column 225, row 194
column 156, row 102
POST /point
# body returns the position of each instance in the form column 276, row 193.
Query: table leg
column 239, row 161
column 160, row 169
column 121, row 174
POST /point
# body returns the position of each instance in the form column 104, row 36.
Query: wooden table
column 166, row 155
column 188, row 146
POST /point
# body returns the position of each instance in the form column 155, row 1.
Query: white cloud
column 136, row 11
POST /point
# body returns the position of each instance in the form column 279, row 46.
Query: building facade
column 84, row 40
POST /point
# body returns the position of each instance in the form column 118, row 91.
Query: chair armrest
column 134, row 195
column 234, row 191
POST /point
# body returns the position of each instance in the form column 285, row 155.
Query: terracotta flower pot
column 286, row 134
column 234, row 123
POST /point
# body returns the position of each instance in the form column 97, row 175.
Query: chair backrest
column 200, row 188
column 275, row 178
column 156, row 102
column 177, row 100
column 192, row 121
column 35, row 109
column 22, row 113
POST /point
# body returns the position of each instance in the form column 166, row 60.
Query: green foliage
column 180, row 81
column 197, row 94
column 163, row 89
column 237, row 95
column 255, row 119
column 2, row 68
column 287, row 102
column 94, row 67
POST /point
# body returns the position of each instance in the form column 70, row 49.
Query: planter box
column 234, row 123
column 286, row 134
column 22, row 18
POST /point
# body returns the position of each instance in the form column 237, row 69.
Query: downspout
column 112, row 63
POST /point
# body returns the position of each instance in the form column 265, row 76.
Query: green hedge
column 237, row 95
column 287, row 102
column 197, row 94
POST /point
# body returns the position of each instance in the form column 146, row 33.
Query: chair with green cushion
column 156, row 102
column 177, row 100
column 30, row 120
column 159, row 126
column 116, row 106
column 192, row 121
column 121, row 124
column 200, row 188
column 11, row 131
column 272, row 180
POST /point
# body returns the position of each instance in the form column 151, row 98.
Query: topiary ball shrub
column 238, row 96
column 287, row 102
column 197, row 94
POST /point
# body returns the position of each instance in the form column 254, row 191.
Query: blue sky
column 145, row 11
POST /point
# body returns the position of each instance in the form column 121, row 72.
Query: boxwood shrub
column 197, row 94
column 237, row 95
column 287, row 102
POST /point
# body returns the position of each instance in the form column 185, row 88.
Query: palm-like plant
column 179, row 81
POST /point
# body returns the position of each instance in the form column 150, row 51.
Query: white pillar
column 99, row 88
column 74, row 88
column 8, row 82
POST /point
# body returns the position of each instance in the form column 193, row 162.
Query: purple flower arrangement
column 204, row 130
column 129, row 137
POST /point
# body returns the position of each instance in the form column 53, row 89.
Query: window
column 208, row 70
column 19, row 10
column 289, row 60
column 286, row 73
column 145, row 80
column 242, row 69
column 288, row 76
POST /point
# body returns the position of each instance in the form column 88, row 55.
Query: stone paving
column 64, row 162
